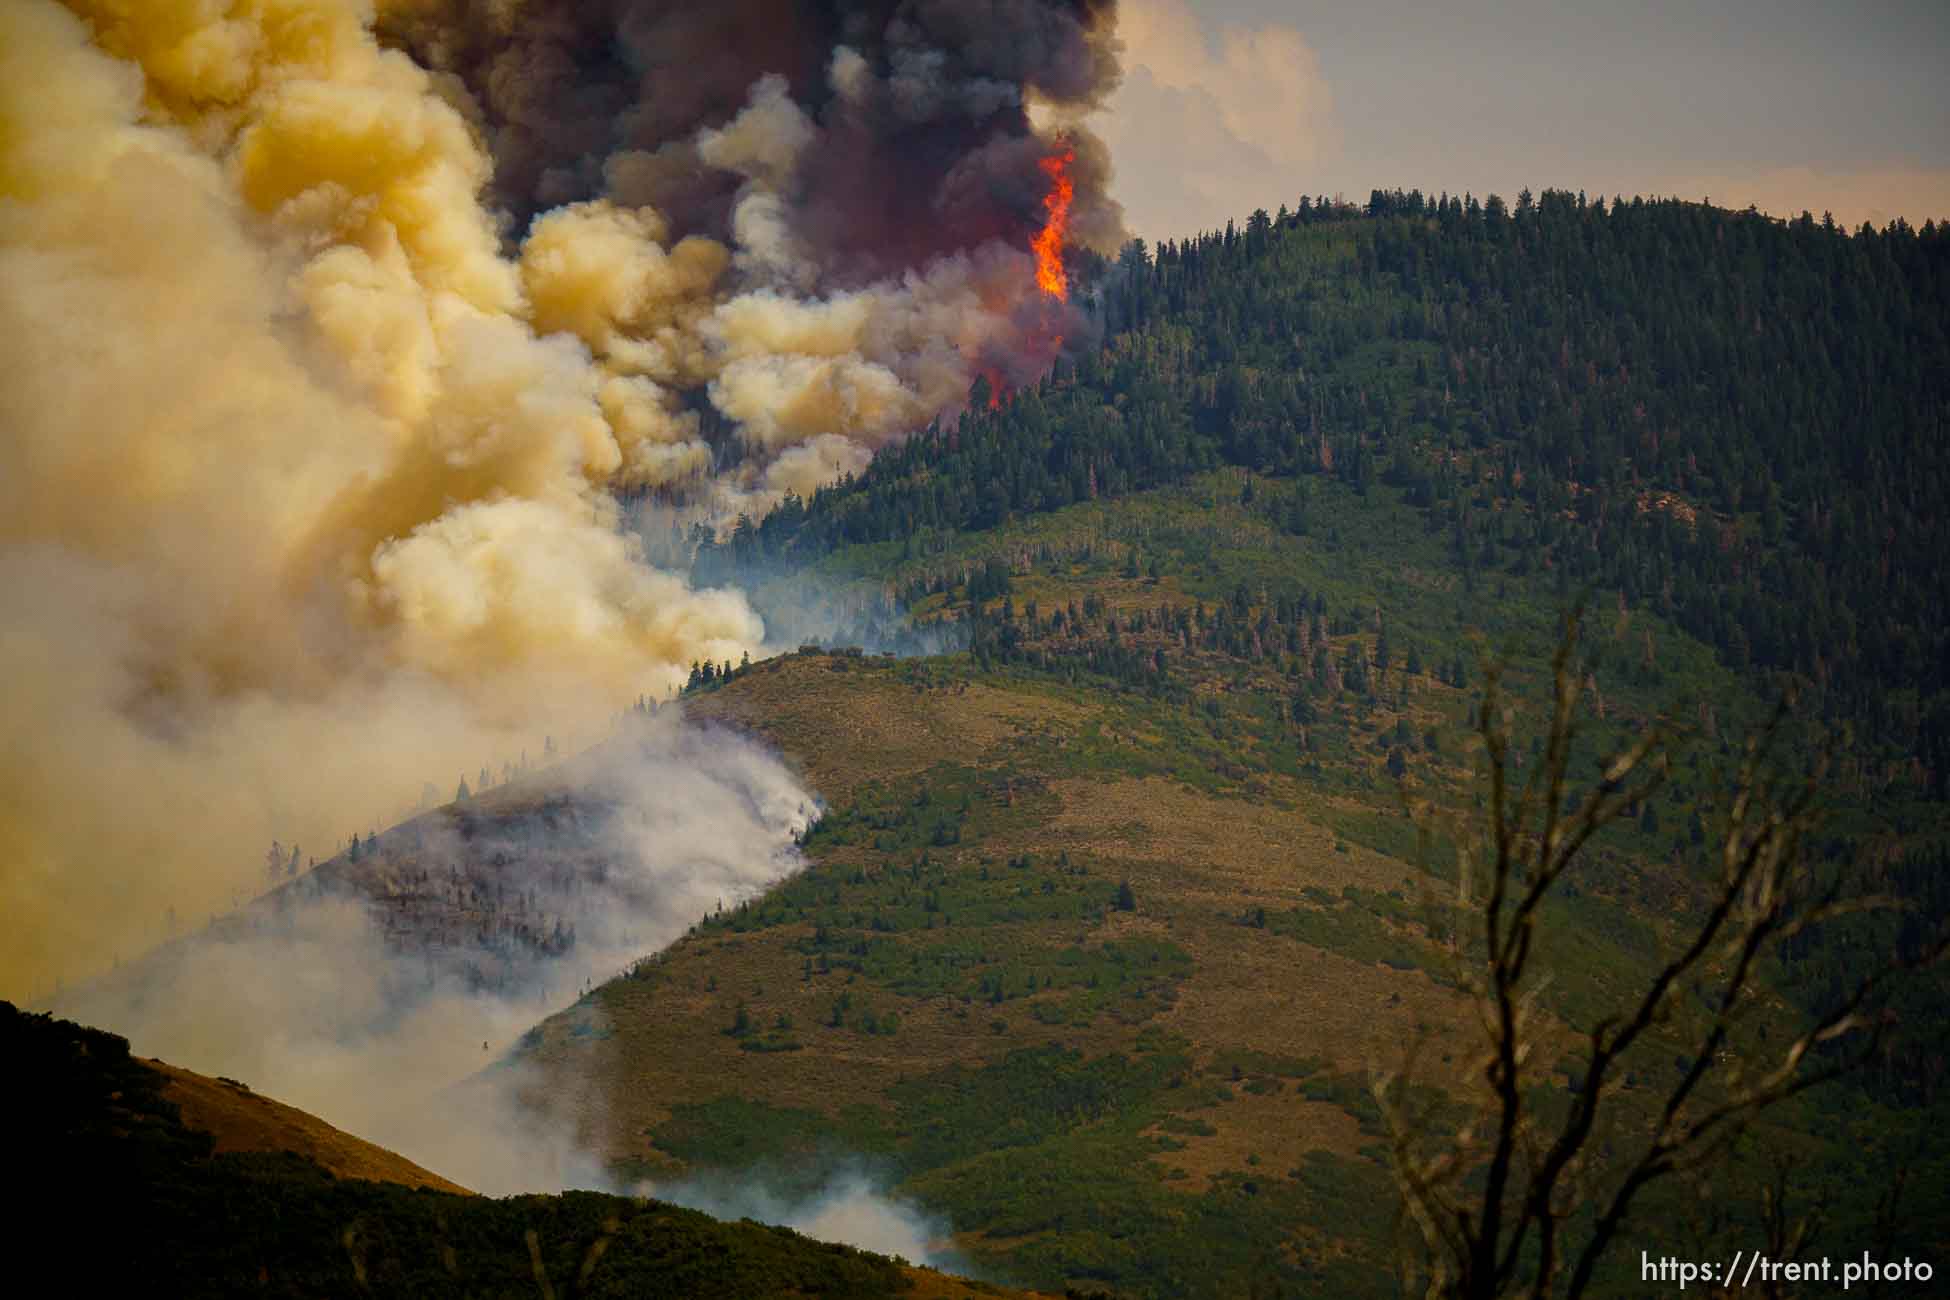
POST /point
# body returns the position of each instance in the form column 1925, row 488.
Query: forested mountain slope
column 1144, row 886
column 1110, row 919
column 1737, row 422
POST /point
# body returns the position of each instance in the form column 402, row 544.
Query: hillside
column 954, row 989
column 219, row 1192
column 1103, row 975
column 1110, row 919
column 1725, row 431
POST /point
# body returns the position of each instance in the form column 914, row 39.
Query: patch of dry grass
column 847, row 721
column 1215, row 850
column 241, row 1120
column 1265, row 1135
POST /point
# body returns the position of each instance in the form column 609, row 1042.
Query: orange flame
column 997, row 386
column 1051, row 278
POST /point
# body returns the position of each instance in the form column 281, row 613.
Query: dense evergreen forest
column 1736, row 420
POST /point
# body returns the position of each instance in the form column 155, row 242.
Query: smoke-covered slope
column 369, row 983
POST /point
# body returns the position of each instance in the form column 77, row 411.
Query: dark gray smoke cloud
column 923, row 144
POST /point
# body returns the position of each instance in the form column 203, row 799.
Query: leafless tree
column 1522, row 1197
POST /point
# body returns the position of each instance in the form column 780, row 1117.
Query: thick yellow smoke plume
column 305, row 487
column 302, row 487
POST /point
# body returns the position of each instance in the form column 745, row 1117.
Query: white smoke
column 314, row 1003
column 850, row 1207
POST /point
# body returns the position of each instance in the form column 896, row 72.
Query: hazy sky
column 1229, row 105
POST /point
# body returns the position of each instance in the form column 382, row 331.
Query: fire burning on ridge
column 1051, row 277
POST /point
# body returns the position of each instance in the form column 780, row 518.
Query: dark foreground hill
column 148, row 1180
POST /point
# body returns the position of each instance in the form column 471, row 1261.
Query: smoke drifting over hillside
column 365, row 991
column 849, row 1207
column 332, row 328
column 388, row 995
